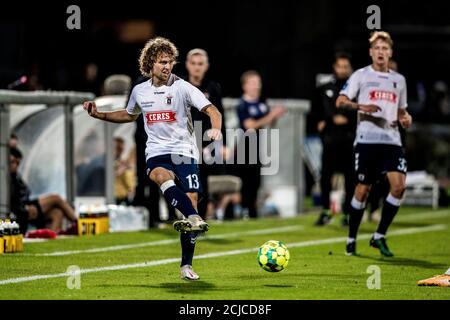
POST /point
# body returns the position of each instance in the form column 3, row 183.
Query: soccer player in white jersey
column 380, row 95
column 171, row 151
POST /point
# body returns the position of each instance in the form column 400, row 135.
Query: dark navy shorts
column 184, row 168
column 372, row 161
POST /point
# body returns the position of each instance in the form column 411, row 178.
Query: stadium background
column 289, row 42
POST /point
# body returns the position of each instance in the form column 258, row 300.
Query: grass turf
column 317, row 271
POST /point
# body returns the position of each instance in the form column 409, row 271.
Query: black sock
column 388, row 213
column 187, row 240
column 177, row 198
column 356, row 214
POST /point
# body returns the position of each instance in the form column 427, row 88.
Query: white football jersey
column 167, row 116
column 384, row 89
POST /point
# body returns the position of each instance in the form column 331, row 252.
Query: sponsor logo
column 383, row 95
column 159, row 92
column 160, row 116
column 147, row 103
column 373, row 84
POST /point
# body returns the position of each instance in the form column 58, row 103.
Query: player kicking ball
column 381, row 103
column 171, row 150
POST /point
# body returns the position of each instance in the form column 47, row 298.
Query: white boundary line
column 438, row 227
column 167, row 241
column 400, row 218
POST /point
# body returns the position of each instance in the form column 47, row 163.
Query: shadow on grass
column 220, row 241
column 182, row 287
column 194, row 287
column 277, row 286
column 405, row 262
column 411, row 224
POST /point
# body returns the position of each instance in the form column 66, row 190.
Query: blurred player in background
column 171, row 154
column 197, row 64
column 337, row 132
column 381, row 101
column 254, row 114
column 124, row 182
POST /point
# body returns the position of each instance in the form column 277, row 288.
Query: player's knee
column 55, row 198
column 398, row 190
column 362, row 192
column 160, row 177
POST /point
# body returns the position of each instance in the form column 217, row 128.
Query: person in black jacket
column 197, row 64
column 47, row 211
column 337, row 131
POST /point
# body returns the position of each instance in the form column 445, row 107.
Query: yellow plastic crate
column 12, row 243
column 93, row 226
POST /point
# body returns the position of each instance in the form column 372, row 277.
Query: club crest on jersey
column 169, row 100
column 383, row 95
column 160, row 116
column 395, row 85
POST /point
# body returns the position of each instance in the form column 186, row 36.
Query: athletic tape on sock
column 166, row 185
column 394, row 201
column 358, row 205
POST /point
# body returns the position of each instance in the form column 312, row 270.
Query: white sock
column 350, row 240
column 166, row 185
column 358, row 205
column 378, row 236
column 394, row 201
column 220, row 213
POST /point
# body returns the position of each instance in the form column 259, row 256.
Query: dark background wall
column 289, row 42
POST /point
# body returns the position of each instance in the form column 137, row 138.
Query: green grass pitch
column 148, row 268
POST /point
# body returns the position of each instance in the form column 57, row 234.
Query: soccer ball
column 273, row 256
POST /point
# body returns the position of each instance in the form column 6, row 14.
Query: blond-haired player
column 380, row 95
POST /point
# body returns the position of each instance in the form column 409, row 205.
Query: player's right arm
column 350, row 91
column 344, row 102
column 118, row 116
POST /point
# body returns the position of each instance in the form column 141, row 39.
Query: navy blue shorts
column 184, row 168
column 372, row 161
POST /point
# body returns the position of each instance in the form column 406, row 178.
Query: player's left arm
column 404, row 117
column 215, row 116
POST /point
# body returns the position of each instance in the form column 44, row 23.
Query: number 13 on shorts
column 193, row 181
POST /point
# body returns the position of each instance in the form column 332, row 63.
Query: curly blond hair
column 153, row 48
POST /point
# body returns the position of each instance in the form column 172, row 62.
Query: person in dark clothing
column 337, row 132
column 46, row 211
column 254, row 114
column 147, row 193
column 197, row 64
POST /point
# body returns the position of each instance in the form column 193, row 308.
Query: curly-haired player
column 171, row 151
